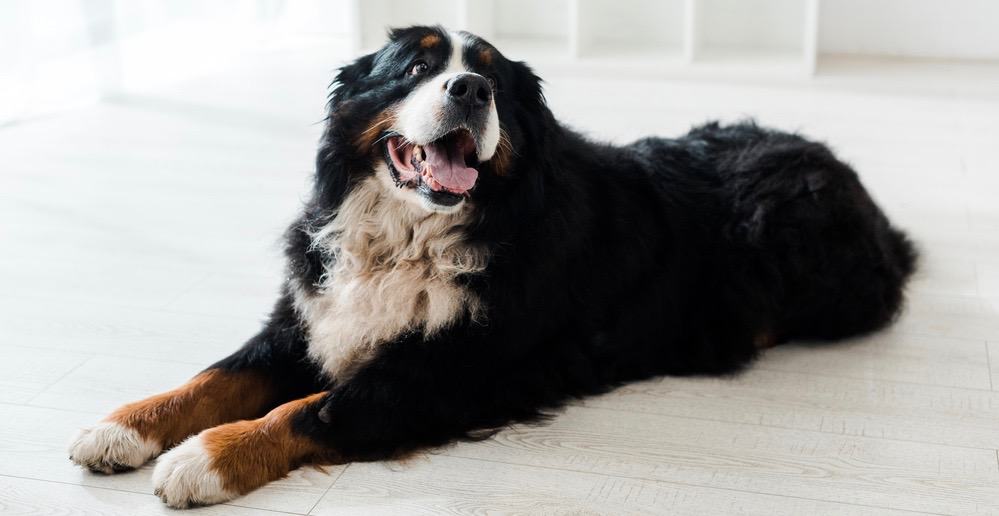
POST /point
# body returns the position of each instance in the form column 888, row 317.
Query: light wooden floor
column 139, row 243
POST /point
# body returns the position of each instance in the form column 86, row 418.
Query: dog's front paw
column 111, row 448
column 184, row 477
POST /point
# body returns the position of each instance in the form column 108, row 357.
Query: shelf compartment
column 656, row 29
column 777, row 33
column 524, row 29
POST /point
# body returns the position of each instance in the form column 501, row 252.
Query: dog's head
column 434, row 114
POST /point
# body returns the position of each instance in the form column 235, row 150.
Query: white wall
column 965, row 29
column 56, row 54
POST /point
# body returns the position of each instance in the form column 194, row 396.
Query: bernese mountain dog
column 465, row 261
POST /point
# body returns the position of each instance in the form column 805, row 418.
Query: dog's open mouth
column 443, row 168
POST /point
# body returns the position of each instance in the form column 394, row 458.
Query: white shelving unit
column 706, row 37
column 648, row 30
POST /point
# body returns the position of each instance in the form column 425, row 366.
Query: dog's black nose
column 469, row 89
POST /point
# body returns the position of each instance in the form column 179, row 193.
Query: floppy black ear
column 528, row 85
column 350, row 79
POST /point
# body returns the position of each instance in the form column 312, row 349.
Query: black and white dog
column 465, row 261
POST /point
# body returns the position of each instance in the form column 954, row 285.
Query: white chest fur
column 391, row 268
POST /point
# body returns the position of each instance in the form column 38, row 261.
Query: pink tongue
column 447, row 166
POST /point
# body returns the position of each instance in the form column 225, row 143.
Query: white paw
column 111, row 448
column 183, row 477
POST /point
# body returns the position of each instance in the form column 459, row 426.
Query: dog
column 465, row 262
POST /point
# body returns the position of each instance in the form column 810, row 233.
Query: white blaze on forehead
column 419, row 114
column 456, row 64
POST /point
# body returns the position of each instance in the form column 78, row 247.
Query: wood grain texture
column 828, row 404
column 25, row 497
column 26, row 372
column 104, row 383
column 891, row 355
column 450, row 485
column 116, row 331
column 876, row 472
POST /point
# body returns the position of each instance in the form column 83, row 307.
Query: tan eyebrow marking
column 430, row 41
column 486, row 56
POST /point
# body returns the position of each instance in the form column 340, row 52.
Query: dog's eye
column 418, row 67
column 492, row 81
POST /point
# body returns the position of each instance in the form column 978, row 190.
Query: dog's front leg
column 268, row 370
column 227, row 461
column 138, row 431
column 372, row 416
column 412, row 397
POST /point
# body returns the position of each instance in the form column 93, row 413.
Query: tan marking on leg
column 210, row 398
column 430, row 41
column 249, row 454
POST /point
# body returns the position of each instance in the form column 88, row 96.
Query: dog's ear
column 528, row 85
column 350, row 79
column 535, row 118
